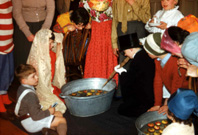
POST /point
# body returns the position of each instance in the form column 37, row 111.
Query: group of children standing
column 153, row 74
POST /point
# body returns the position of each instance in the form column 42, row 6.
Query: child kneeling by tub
column 181, row 105
column 28, row 109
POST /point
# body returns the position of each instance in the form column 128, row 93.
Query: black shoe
column 48, row 131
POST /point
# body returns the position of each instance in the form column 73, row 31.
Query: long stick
column 114, row 72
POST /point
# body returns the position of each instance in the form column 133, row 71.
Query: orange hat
column 189, row 23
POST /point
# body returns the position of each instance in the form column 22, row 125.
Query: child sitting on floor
column 70, row 21
column 47, row 58
column 33, row 119
column 181, row 105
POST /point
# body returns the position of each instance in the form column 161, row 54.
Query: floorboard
column 7, row 128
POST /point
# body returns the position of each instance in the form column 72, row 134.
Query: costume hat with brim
column 183, row 103
column 128, row 41
column 153, row 43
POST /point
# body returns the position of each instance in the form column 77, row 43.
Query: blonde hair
column 176, row 2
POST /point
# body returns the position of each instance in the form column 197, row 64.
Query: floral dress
column 100, row 60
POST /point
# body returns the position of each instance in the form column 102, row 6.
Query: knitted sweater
column 169, row 77
column 6, row 27
column 33, row 11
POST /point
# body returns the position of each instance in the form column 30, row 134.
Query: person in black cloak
column 137, row 83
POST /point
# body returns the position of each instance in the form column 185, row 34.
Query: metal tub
column 147, row 118
column 92, row 105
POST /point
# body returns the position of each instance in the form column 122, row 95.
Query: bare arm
column 114, row 36
column 192, row 71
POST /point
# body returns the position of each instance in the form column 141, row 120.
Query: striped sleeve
column 6, row 27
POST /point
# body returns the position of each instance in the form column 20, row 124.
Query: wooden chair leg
column 193, row 84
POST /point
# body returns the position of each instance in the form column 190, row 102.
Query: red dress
column 56, row 90
column 100, row 60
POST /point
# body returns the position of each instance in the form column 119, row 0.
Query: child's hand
column 151, row 21
column 51, row 110
column 88, row 26
column 192, row 71
column 162, row 25
column 115, row 51
column 183, row 63
column 131, row 52
column 58, row 114
column 30, row 38
column 154, row 108
column 163, row 109
column 71, row 27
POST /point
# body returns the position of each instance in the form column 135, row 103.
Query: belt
column 23, row 117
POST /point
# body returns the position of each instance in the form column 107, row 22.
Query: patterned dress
column 40, row 58
column 100, row 60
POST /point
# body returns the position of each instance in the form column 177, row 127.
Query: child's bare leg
column 60, row 124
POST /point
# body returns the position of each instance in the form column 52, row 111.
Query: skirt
column 100, row 60
column 22, row 45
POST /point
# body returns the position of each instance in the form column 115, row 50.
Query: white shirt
column 171, row 17
column 166, row 93
column 179, row 129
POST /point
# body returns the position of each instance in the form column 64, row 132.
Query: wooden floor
column 7, row 128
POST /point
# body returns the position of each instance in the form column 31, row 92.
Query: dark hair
column 24, row 70
column 177, row 34
column 80, row 15
column 52, row 37
column 186, row 122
